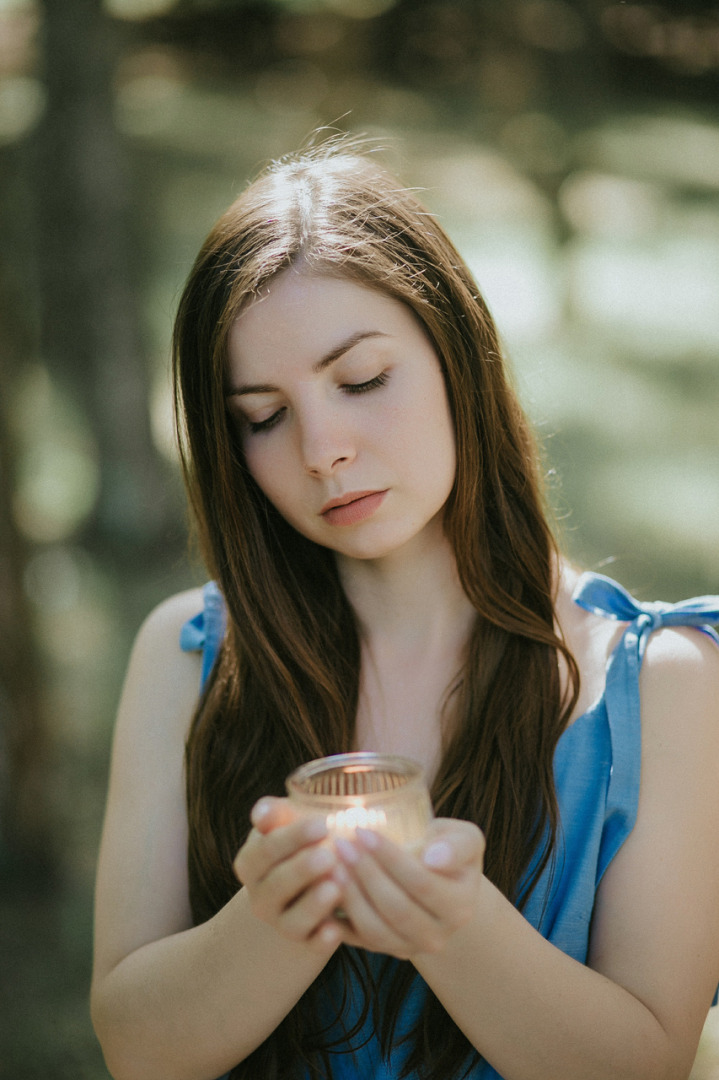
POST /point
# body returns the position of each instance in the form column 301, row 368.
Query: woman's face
column 343, row 414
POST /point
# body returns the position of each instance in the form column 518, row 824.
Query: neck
column 414, row 623
column 412, row 597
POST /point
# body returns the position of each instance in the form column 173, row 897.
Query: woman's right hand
column 293, row 879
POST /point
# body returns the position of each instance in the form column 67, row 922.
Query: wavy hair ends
column 285, row 687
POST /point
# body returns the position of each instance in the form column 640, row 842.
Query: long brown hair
column 285, row 685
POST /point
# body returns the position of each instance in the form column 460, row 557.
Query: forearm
column 535, row 1013
column 192, row 1005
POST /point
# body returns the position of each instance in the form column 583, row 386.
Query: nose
column 326, row 444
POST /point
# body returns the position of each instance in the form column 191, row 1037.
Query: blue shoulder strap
column 204, row 632
column 602, row 596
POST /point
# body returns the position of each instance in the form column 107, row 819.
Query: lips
column 352, row 507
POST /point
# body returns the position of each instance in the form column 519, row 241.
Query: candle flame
column 356, row 817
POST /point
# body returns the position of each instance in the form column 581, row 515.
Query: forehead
column 301, row 316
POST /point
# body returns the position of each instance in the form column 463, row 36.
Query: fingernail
column 368, row 838
column 347, row 852
column 328, row 934
column 259, row 812
column 438, row 854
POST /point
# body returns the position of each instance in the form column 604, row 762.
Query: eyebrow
column 317, row 367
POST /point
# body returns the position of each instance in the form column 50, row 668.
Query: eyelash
column 257, row 427
column 363, row 387
column 264, row 425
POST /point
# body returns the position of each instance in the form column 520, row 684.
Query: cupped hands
column 405, row 903
column 286, row 865
column 393, row 901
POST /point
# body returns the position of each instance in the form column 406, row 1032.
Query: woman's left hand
column 402, row 903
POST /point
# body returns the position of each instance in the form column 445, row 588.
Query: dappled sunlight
column 551, row 24
column 475, row 185
column 656, row 298
column 70, row 599
column 665, row 149
column 536, row 142
column 502, row 225
column 686, row 41
column 614, row 207
column 668, row 498
column 518, row 276
column 137, row 9
column 58, row 478
column 22, row 100
column 204, row 123
column 360, row 9
column 162, row 418
column 579, row 182
column 573, row 383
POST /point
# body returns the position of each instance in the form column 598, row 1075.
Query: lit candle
column 344, row 822
column 363, row 790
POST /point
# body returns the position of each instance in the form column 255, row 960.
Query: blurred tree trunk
column 26, row 837
column 90, row 311
column 24, row 815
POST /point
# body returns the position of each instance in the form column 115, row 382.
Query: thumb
column 449, row 844
column 270, row 813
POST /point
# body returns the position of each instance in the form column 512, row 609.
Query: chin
column 373, row 549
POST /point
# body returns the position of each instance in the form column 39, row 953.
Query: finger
column 405, row 868
column 451, row 845
column 292, row 877
column 274, row 896
column 261, row 851
column 271, row 813
column 400, row 912
column 437, row 893
column 363, row 926
column 327, row 937
column 312, row 911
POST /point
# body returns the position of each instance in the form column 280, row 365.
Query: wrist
column 483, row 910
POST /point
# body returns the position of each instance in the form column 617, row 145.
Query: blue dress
column 596, row 765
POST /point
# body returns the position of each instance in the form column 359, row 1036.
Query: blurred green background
column 572, row 151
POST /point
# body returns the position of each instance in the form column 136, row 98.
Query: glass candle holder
column 364, row 790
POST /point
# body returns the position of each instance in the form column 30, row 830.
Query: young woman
column 369, row 503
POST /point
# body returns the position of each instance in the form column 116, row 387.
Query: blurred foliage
column 571, row 149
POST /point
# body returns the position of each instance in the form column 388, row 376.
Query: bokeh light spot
column 22, row 101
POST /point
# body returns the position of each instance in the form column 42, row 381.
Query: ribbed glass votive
column 365, row 790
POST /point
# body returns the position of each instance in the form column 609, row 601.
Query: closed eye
column 363, row 387
column 256, row 426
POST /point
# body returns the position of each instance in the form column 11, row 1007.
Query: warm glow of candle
column 363, row 790
column 344, row 822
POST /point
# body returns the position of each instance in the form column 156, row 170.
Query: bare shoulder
column 161, row 629
column 679, row 685
column 682, row 649
column 159, row 670
column 142, row 891
column 161, row 689
column 655, row 928
column 589, row 637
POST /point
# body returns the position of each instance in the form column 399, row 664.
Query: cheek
column 437, row 431
column 263, row 468
column 441, row 459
